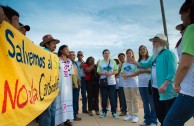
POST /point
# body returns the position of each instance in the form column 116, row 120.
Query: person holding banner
column 2, row 15
column 10, row 15
column 47, row 118
column 24, row 28
column 64, row 102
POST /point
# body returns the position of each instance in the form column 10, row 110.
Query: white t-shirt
column 103, row 67
column 120, row 83
column 187, row 84
column 120, row 80
column 179, row 50
column 154, row 78
column 129, row 69
column 144, row 78
column 186, row 87
column 117, row 83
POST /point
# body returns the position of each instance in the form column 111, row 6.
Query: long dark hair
column 88, row 59
column 188, row 5
column 61, row 48
column 140, row 57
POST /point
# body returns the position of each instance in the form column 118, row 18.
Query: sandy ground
column 109, row 120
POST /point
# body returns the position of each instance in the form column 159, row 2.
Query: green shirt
column 188, row 40
column 187, row 84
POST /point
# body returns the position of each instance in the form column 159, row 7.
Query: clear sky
column 94, row 25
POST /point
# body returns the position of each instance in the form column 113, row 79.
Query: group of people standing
column 124, row 79
column 166, row 92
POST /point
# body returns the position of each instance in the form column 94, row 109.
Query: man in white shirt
column 81, row 73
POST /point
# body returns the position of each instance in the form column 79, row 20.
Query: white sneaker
column 129, row 117
column 143, row 124
column 153, row 124
column 135, row 119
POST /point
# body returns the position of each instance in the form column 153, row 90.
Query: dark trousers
column 93, row 93
column 122, row 100
column 161, row 107
column 116, row 97
column 105, row 92
column 83, row 93
column 75, row 101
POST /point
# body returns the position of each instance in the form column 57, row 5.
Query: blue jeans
column 75, row 101
column 47, row 118
column 83, row 93
column 53, row 110
column 181, row 111
column 148, row 104
column 105, row 92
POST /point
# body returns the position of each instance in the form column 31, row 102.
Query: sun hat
column 48, row 38
column 160, row 37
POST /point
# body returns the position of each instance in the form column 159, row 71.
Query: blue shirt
column 47, row 49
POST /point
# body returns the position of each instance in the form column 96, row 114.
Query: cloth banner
column 29, row 77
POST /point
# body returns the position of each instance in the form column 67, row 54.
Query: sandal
column 68, row 123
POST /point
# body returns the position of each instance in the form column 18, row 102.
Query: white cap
column 159, row 36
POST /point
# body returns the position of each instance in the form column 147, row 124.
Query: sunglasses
column 79, row 55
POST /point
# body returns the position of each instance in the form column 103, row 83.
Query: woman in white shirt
column 64, row 101
column 183, row 107
column 130, row 84
column 143, row 80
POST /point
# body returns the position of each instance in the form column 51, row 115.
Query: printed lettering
column 20, row 93
column 7, row 91
column 7, row 34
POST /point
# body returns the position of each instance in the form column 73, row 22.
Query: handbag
column 104, row 81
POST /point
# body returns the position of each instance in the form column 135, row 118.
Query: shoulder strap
column 108, row 65
column 76, row 65
column 156, row 57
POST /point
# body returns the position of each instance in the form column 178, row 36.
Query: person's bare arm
column 144, row 71
column 134, row 74
column 184, row 66
column 113, row 73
